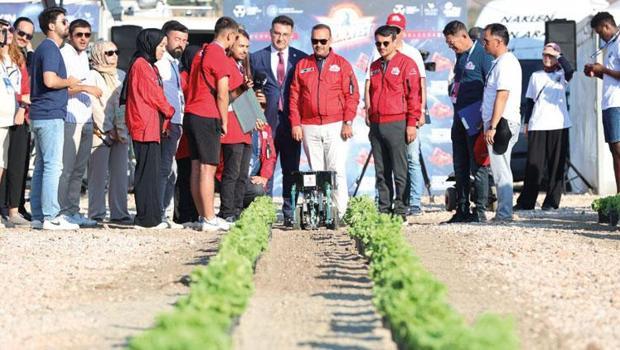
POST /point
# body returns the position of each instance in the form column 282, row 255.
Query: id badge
column 455, row 92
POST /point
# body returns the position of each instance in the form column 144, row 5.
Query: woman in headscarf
column 147, row 114
column 108, row 163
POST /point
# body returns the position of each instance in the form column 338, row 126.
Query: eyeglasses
column 64, row 21
column 384, row 43
column 82, row 34
column 111, row 53
column 316, row 41
column 24, row 34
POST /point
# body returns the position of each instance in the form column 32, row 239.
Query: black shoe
column 25, row 214
column 477, row 217
column 548, row 208
column 459, row 217
column 288, row 222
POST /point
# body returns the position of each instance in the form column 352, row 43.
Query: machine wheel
column 297, row 222
column 335, row 219
column 450, row 198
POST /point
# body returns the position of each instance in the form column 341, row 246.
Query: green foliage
column 606, row 205
column 219, row 292
column 410, row 298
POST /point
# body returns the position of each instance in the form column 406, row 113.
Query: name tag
column 306, row 70
column 395, row 71
column 334, row 68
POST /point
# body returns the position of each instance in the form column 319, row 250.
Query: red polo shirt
column 201, row 94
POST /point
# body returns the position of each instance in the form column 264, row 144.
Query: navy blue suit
column 288, row 149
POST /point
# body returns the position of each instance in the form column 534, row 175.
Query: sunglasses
column 384, row 43
column 82, row 34
column 65, row 21
column 8, row 29
column 23, row 34
column 316, row 41
column 111, row 53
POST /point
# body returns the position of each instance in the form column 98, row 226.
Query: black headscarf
column 188, row 56
column 146, row 46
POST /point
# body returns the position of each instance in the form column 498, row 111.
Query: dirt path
column 91, row 289
column 312, row 291
column 555, row 272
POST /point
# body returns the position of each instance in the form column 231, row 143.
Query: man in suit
column 277, row 62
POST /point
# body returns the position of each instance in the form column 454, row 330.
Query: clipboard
column 471, row 117
column 248, row 110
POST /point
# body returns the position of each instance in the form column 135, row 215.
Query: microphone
column 260, row 79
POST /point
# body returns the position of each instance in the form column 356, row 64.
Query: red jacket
column 145, row 100
column 324, row 98
column 267, row 156
column 395, row 93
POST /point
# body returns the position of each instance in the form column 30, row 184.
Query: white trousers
column 327, row 151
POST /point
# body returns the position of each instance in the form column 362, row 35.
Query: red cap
column 397, row 20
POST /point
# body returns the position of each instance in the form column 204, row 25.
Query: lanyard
column 611, row 41
column 486, row 79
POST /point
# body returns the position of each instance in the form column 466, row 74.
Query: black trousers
column 251, row 192
column 290, row 153
column 184, row 207
column 464, row 166
column 389, row 149
column 546, row 155
column 234, row 178
column 146, row 187
column 13, row 184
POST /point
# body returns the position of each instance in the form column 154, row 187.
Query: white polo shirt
column 504, row 74
column 611, row 86
column 548, row 90
column 168, row 68
column 79, row 106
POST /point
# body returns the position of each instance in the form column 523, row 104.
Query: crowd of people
column 173, row 110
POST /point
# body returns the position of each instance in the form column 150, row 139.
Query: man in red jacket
column 393, row 115
column 323, row 103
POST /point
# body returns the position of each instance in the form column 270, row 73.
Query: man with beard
column 78, row 138
column 168, row 67
column 49, row 96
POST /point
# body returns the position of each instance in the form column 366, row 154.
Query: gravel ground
column 312, row 291
column 556, row 272
column 94, row 288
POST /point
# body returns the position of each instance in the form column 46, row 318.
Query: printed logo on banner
column 241, row 11
column 431, row 9
column 349, row 25
column 449, row 10
column 399, row 8
column 274, row 10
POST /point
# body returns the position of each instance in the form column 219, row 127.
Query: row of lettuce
column 608, row 209
column 409, row 298
column 219, row 292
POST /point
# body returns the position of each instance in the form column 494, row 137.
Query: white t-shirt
column 611, row 86
column 505, row 74
column 406, row 50
column 79, row 106
column 548, row 90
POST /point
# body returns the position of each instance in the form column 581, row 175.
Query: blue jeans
column 168, row 167
column 502, row 175
column 48, row 137
column 414, row 168
column 611, row 124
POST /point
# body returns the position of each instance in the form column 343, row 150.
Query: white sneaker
column 59, row 223
column 173, row 225
column 160, row 226
column 215, row 224
column 36, row 225
column 80, row 220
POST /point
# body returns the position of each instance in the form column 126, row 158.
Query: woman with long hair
column 13, row 183
column 108, row 163
column 147, row 114
column 12, row 107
